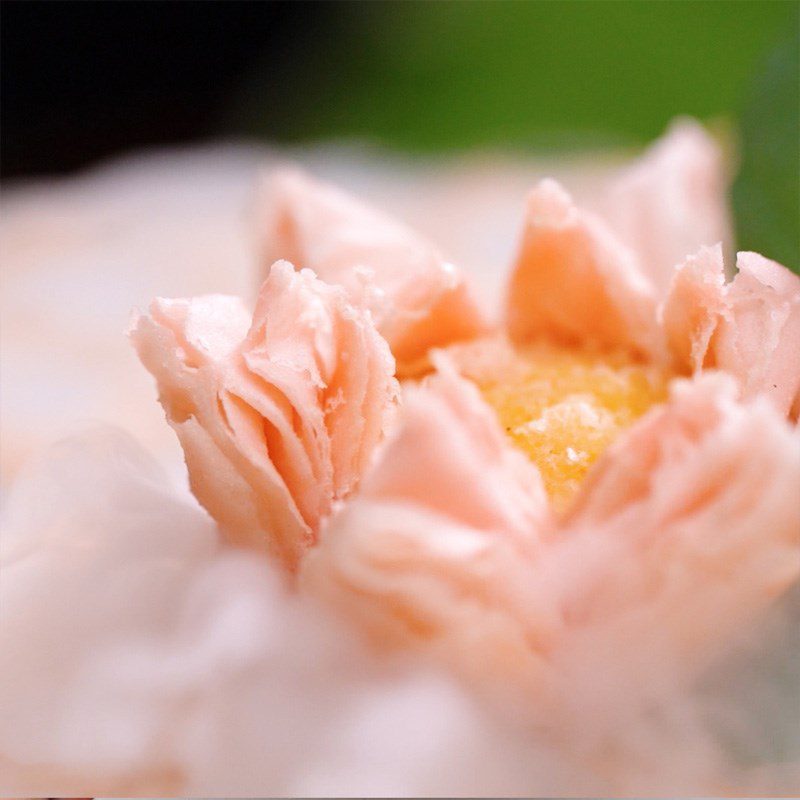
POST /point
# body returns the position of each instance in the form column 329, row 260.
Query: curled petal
column 749, row 327
column 417, row 299
column 693, row 307
column 685, row 531
column 574, row 281
column 671, row 201
column 277, row 417
column 436, row 549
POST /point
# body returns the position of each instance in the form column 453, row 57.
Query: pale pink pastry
column 277, row 416
column 574, row 281
column 687, row 528
column 749, row 327
column 671, row 201
column 418, row 300
column 279, row 424
column 582, row 277
column 437, row 550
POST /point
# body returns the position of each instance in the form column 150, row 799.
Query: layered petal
column 277, row 416
column 749, row 327
column 574, row 281
column 671, row 201
column 436, row 550
column 418, row 299
column 683, row 534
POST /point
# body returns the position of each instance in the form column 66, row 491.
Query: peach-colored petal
column 686, row 529
column 574, row 281
column 693, row 306
column 418, row 300
column 435, row 550
column 749, row 327
column 278, row 420
column 671, row 201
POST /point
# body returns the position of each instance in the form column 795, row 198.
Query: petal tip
column 549, row 205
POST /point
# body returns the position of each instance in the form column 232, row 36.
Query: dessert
column 448, row 549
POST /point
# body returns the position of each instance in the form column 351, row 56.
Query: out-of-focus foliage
column 444, row 75
column 449, row 75
column 766, row 196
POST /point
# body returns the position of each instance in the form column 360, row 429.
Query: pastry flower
column 612, row 462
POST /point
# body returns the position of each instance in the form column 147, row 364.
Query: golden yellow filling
column 563, row 407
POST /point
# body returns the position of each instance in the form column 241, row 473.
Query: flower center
column 563, row 407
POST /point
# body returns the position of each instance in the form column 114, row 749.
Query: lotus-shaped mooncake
column 613, row 460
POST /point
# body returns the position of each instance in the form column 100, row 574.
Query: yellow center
column 563, row 407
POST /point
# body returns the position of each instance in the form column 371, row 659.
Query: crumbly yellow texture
column 563, row 407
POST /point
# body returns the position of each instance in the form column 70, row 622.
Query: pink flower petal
column 749, row 327
column 672, row 201
column 278, row 420
column 686, row 529
column 436, row 549
column 574, row 281
column 693, row 305
column 685, row 533
column 417, row 299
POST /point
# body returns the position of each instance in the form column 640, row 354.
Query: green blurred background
column 440, row 76
column 433, row 77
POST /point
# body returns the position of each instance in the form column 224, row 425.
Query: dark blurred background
column 84, row 80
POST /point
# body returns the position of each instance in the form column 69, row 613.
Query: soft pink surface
column 417, row 299
column 277, row 417
column 436, row 550
column 611, row 281
column 146, row 655
column 79, row 252
column 139, row 656
column 684, row 531
column 671, row 201
column 749, row 327
column 574, row 281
